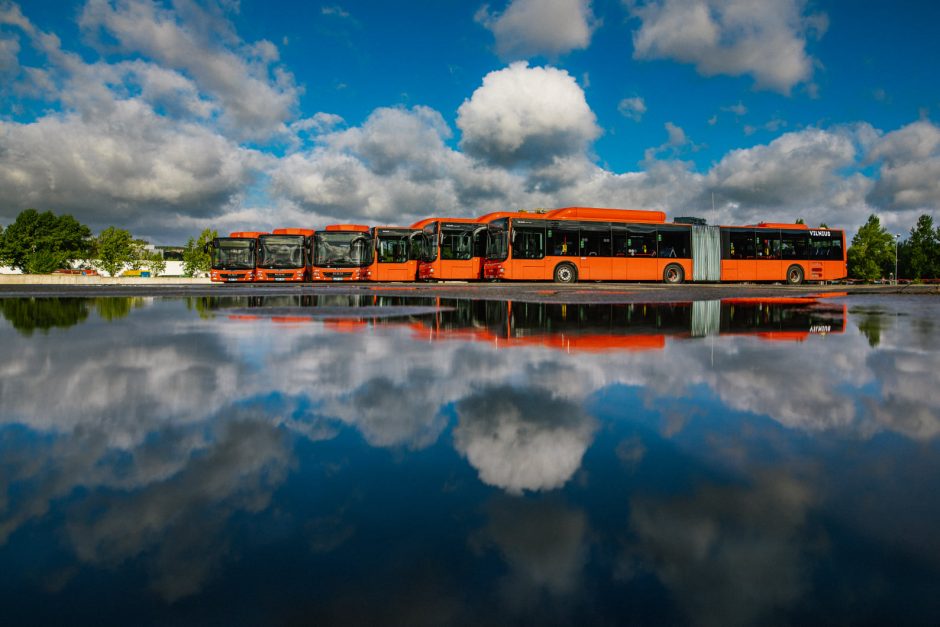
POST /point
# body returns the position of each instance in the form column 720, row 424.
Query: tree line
column 874, row 252
column 41, row 243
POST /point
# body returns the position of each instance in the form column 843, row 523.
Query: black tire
column 566, row 273
column 795, row 275
column 673, row 274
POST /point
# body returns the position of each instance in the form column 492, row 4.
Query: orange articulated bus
column 585, row 243
column 233, row 257
column 284, row 255
column 397, row 250
column 342, row 252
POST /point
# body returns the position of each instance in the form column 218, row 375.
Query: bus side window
column 620, row 243
column 595, row 243
column 528, row 243
column 563, row 242
column 742, row 244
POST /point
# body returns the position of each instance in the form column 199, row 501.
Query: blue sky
column 167, row 117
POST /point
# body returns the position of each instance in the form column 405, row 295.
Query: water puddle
column 397, row 460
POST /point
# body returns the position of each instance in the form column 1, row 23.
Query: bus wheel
column 673, row 273
column 566, row 273
column 794, row 275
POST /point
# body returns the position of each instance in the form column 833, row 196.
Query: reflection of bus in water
column 233, row 257
column 572, row 327
column 342, row 252
column 584, row 243
column 397, row 252
column 284, row 255
column 629, row 326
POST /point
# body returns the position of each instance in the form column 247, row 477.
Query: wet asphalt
column 523, row 292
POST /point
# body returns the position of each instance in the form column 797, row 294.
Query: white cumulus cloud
column 632, row 108
column 762, row 38
column 257, row 96
column 796, row 174
column 909, row 177
column 529, row 28
column 525, row 114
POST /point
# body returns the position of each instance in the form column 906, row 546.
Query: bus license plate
column 231, row 280
column 278, row 278
column 337, row 278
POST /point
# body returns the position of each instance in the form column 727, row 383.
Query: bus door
column 642, row 263
column 595, row 248
column 456, row 252
column 738, row 255
column 768, row 258
column 561, row 246
column 393, row 255
column 618, row 262
column 528, row 249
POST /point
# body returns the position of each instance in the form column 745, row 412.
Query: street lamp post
column 896, row 238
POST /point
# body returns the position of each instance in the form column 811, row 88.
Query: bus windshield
column 393, row 248
column 342, row 249
column 497, row 241
column 281, row 251
column 234, row 254
column 457, row 244
column 429, row 243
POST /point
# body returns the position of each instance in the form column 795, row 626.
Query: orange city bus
column 284, row 255
column 574, row 243
column 233, row 257
column 397, row 250
column 342, row 252
column 452, row 248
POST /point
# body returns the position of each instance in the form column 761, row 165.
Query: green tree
column 155, row 262
column 871, row 255
column 923, row 249
column 43, row 242
column 195, row 259
column 116, row 248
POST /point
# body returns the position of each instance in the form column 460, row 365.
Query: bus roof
column 779, row 225
column 246, row 234
column 293, row 232
column 422, row 223
column 361, row 228
column 611, row 215
column 520, row 213
column 395, row 229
